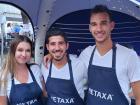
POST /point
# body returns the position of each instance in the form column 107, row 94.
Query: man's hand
column 47, row 58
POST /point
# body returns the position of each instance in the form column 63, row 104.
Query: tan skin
column 136, row 91
column 57, row 48
column 3, row 100
column 22, row 55
column 101, row 27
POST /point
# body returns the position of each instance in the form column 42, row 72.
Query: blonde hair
column 9, row 64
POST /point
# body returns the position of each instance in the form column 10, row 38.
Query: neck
column 20, row 67
column 104, row 47
column 61, row 63
column 21, row 73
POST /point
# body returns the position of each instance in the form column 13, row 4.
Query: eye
column 28, row 50
column 92, row 24
column 61, row 43
column 104, row 23
column 20, row 49
column 52, row 43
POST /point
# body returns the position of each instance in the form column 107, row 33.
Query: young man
column 112, row 68
column 65, row 77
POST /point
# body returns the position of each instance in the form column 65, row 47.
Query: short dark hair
column 101, row 9
column 55, row 32
column 8, row 24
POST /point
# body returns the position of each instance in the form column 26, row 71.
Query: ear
column 112, row 25
column 89, row 27
column 67, row 45
column 47, row 46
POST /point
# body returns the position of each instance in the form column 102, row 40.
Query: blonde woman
column 20, row 82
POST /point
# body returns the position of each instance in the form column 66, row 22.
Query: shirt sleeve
column 45, row 71
column 85, row 55
column 5, row 90
column 80, row 75
column 133, row 67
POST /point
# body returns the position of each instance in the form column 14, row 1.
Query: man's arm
column 47, row 58
column 136, row 91
column 3, row 100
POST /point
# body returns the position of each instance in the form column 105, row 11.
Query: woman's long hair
column 10, row 62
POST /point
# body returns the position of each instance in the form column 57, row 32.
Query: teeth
column 58, row 53
column 99, row 35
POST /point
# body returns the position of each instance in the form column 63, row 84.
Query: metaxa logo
column 28, row 102
column 62, row 100
column 100, row 95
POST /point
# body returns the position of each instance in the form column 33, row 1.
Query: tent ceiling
column 54, row 9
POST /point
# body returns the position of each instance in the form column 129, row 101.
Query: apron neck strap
column 69, row 65
column 113, row 56
column 28, row 66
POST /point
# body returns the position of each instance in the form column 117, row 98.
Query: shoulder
column 127, row 55
column 76, row 62
column 73, row 58
column 35, row 68
column 86, row 54
column 125, row 51
column 5, row 89
column 89, row 49
column 44, row 69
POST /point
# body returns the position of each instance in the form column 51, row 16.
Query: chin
column 100, row 41
column 22, row 62
column 58, row 59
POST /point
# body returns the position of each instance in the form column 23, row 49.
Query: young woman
column 20, row 82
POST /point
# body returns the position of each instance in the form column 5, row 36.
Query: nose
column 98, row 28
column 24, row 53
column 57, row 47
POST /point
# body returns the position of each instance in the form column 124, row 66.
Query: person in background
column 16, row 29
column 65, row 76
column 21, row 32
column 112, row 68
column 21, row 83
column 9, row 29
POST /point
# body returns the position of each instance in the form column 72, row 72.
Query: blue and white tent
column 72, row 16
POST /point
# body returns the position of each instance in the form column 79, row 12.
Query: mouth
column 57, row 51
column 57, row 54
column 99, row 34
column 54, row 51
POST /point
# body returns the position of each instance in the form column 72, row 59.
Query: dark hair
column 101, row 9
column 8, row 24
column 55, row 32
